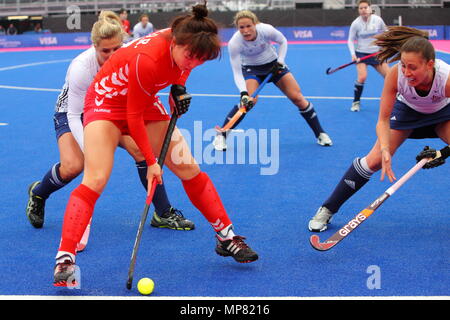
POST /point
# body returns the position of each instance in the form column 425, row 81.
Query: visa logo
column 303, row 34
column 48, row 40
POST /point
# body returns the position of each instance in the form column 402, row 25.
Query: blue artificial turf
column 406, row 240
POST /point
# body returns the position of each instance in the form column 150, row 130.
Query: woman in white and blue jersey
column 107, row 37
column 143, row 27
column 415, row 104
column 362, row 31
column 252, row 58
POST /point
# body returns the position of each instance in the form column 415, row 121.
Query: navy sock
column 358, row 91
column 353, row 180
column 160, row 199
column 50, row 183
column 142, row 172
column 230, row 115
column 310, row 115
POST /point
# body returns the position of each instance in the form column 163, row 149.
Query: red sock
column 204, row 197
column 77, row 216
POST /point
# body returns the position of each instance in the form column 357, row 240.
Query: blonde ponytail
column 108, row 26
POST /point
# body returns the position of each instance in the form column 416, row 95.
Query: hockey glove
column 436, row 156
column 246, row 101
column 179, row 99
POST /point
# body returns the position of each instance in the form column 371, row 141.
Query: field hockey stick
column 162, row 156
column 242, row 109
column 330, row 71
column 364, row 214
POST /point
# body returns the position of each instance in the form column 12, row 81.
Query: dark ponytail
column 198, row 32
column 200, row 11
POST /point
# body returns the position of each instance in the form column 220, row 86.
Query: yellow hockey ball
column 146, row 286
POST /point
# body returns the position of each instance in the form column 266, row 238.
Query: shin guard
column 79, row 210
column 204, row 197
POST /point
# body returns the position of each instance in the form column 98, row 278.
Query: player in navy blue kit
column 415, row 104
column 362, row 30
column 252, row 58
column 107, row 36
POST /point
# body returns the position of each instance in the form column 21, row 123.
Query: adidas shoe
column 236, row 248
column 320, row 221
column 35, row 207
column 172, row 219
column 356, row 106
column 324, row 140
column 64, row 273
column 220, row 143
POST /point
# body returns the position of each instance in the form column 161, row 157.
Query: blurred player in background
column 415, row 104
column 362, row 30
column 123, row 15
column 107, row 37
column 143, row 27
column 122, row 99
column 253, row 57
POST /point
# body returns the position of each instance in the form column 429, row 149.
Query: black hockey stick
column 330, row 71
column 162, row 156
column 364, row 214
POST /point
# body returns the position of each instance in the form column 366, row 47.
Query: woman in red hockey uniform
column 122, row 99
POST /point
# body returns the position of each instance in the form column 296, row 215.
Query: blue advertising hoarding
column 45, row 40
column 334, row 33
column 293, row 34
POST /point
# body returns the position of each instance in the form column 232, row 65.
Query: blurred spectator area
column 59, row 7
column 52, row 14
column 24, row 24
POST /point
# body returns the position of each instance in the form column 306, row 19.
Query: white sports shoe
column 356, row 106
column 324, row 139
column 320, row 221
column 219, row 143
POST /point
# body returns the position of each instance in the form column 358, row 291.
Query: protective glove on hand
column 436, row 157
column 246, row 101
column 179, row 100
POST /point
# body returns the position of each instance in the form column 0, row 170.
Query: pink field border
column 440, row 45
column 44, row 48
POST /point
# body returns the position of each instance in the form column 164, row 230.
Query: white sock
column 60, row 256
column 365, row 166
column 226, row 233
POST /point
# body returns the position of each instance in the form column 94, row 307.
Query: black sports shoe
column 64, row 273
column 35, row 207
column 172, row 219
column 237, row 249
